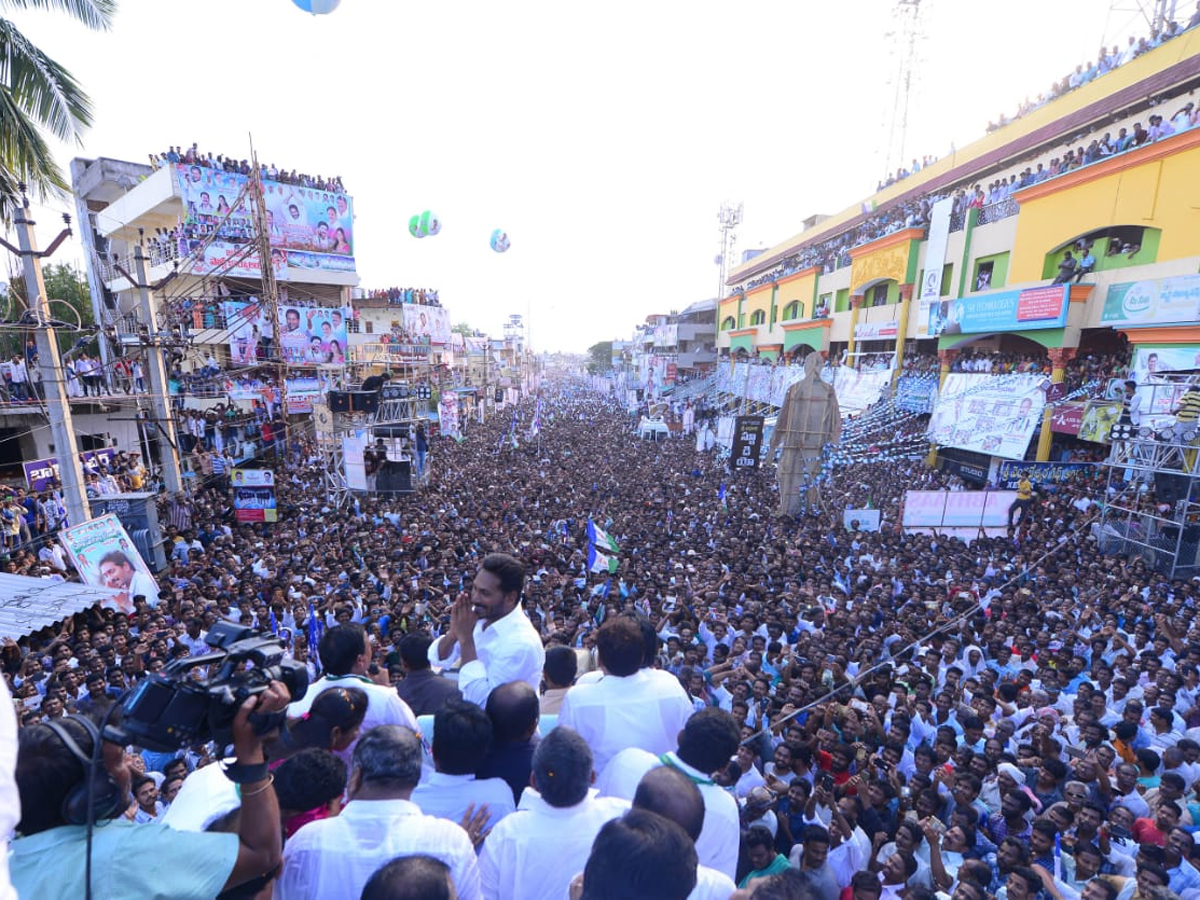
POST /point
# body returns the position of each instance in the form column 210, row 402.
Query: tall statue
column 808, row 420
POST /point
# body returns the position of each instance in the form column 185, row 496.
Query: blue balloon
column 499, row 240
column 318, row 7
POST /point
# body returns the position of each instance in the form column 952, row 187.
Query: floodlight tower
column 1157, row 14
column 729, row 218
column 904, row 37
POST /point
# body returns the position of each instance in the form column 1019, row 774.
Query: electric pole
column 70, row 473
column 159, row 399
column 270, row 290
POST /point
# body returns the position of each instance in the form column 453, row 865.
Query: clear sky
column 602, row 137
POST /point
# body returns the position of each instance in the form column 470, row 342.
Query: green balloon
column 414, row 227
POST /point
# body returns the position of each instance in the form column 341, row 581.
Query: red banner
column 1066, row 418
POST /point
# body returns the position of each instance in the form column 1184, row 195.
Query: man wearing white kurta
column 345, row 656
column 706, row 743
column 333, row 858
column 489, row 633
column 629, row 706
column 534, row 852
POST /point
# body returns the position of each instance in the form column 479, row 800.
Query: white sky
column 602, row 137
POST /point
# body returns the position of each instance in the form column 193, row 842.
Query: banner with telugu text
column 988, row 414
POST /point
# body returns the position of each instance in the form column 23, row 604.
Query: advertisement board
column 432, row 322
column 866, row 519
column 1043, row 307
column 311, row 335
column 935, row 257
column 1155, row 300
column 41, row 472
column 876, row 331
column 1099, row 416
column 104, row 555
column 1039, row 472
column 987, row 414
column 747, row 443
column 316, row 225
column 957, row 513
column 254, row 495
column 1067, row 417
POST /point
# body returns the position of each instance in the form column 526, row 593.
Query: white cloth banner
column 988, row 414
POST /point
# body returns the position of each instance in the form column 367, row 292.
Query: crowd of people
column 193, row 156
column 398, row 296
column 786, row 705
column 1105, row 61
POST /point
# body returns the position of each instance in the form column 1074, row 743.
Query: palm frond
column 45, row 90
column 95, row 14
column 24, row 156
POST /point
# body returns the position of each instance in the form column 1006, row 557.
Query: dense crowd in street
column 786, row 705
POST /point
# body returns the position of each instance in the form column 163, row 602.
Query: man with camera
column 60, row 788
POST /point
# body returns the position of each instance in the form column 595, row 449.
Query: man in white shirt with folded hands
column 489, row 633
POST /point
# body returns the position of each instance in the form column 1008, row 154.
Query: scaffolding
column 1153, row 510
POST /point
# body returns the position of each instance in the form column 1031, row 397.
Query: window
column 727, row 323
column 793, row 310
column 758, row 317
column 991, row 272
column 370, row 326
column 842, row 303
column 352, row 326
column 983, row 276
column 824, row 306
column 879, row 295
column 947, row 274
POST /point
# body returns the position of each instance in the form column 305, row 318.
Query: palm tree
column 36, row 94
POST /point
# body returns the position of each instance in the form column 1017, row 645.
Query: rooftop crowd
column 398, row 296
column 194, row 156
column 792, row 706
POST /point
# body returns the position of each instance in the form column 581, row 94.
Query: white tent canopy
column 30, row 604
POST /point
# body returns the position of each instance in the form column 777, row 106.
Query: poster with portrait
column 248, row 325
column 312, row 221
column 313, row 335
column 254, row 495
column 448, row 414
column 1160, row 373
column 1099, row 416
column 988, row 414
column 432, row 322
column 104, row 556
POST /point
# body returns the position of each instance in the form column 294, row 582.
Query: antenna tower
column 729, row 218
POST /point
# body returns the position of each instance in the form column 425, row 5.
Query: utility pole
column 70, row 473
column 160, row 402
column 270, row 287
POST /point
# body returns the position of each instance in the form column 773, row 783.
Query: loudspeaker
column 394, row 478
column 390, row 431
column 364, row 401
column 339, row 401
column 1170, row 488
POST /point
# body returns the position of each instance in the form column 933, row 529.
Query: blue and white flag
column 598, row 537
column 599, row 561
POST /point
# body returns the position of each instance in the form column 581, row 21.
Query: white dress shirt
column 384, row 706
column 448, row 796
column 534, row 853
column 333, row 858
column 510, row 649
column 641, row 710
column 712, row 885
column 721, row 834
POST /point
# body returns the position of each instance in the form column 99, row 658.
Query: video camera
column 184, row 705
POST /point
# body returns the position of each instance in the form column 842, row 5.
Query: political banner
column 747, row 443
column 448, row 414
column 1159, row 386
column 104, row 556
column 1156, row 300
column 254, row 495
column 353, row 447
column 248, row 325
column 987, row 414
column 1039, row 472
column 315, row 222
column 876, row 331
column 311, row 335
column 935, row 258
column 1099, row 416
column 41, row 473
column 860, row 519
column 1044, row 307
column 856, row 389
column 432, row 322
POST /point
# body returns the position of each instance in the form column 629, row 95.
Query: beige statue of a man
column 808, row 420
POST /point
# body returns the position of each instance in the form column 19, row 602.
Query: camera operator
column 54, row 775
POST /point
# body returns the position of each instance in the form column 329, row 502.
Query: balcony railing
column 1002, row 209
